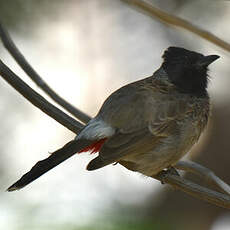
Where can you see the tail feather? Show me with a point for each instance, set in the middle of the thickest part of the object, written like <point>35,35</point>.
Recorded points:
<point>43,166</point>
<point>96,163</point>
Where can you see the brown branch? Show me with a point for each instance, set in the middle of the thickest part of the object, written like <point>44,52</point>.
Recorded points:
<point>38,101</point>
<point>193,167</point>
<point>194,190</point>
<point>23,63</point>
<point>170,19</point>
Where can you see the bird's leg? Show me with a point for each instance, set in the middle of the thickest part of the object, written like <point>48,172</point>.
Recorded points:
<point>170,170</point>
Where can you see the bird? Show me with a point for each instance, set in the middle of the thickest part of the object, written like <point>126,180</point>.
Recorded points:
<point>147,125</point>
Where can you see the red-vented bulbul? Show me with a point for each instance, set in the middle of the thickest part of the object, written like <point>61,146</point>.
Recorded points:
<point>147,125</point>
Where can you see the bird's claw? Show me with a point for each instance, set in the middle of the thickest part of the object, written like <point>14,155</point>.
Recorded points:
<point>171,170</point>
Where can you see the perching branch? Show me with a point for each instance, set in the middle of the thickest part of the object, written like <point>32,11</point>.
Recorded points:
<point>207,174</point>
<point>176,181</point>
<point>37,100</point>
<point>173,20</point>
<point>28,69</point>
<point>195,190</point>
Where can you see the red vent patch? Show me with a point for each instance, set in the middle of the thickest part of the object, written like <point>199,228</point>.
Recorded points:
<point>95,147</point>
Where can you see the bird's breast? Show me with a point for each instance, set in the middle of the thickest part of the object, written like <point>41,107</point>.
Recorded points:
<point>184,133</point>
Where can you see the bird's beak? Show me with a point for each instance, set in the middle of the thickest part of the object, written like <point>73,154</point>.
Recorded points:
<point>207,60</point>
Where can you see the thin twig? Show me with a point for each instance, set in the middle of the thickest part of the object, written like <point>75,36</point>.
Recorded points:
<point>170,19</point>
<point>193,167</point>
<point>195,190</point>
<point>38,101</point>
<point>23,63</point>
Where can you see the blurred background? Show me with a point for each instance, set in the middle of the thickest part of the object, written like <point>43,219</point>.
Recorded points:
<point>86,49</point>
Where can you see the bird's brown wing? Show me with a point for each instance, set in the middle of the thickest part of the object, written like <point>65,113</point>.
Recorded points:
<point>122,145</point>
<point>142,117</point>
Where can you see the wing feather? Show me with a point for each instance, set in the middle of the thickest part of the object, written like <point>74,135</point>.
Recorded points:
<point>122,146</point>
<point>142,119</point>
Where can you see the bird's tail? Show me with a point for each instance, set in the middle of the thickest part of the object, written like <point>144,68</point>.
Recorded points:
<point>50,162</point>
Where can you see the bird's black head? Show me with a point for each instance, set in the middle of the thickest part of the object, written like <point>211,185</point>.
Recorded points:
<point>187,70</point>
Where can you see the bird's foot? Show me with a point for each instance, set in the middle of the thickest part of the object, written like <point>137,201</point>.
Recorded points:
<point>170,170</point>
